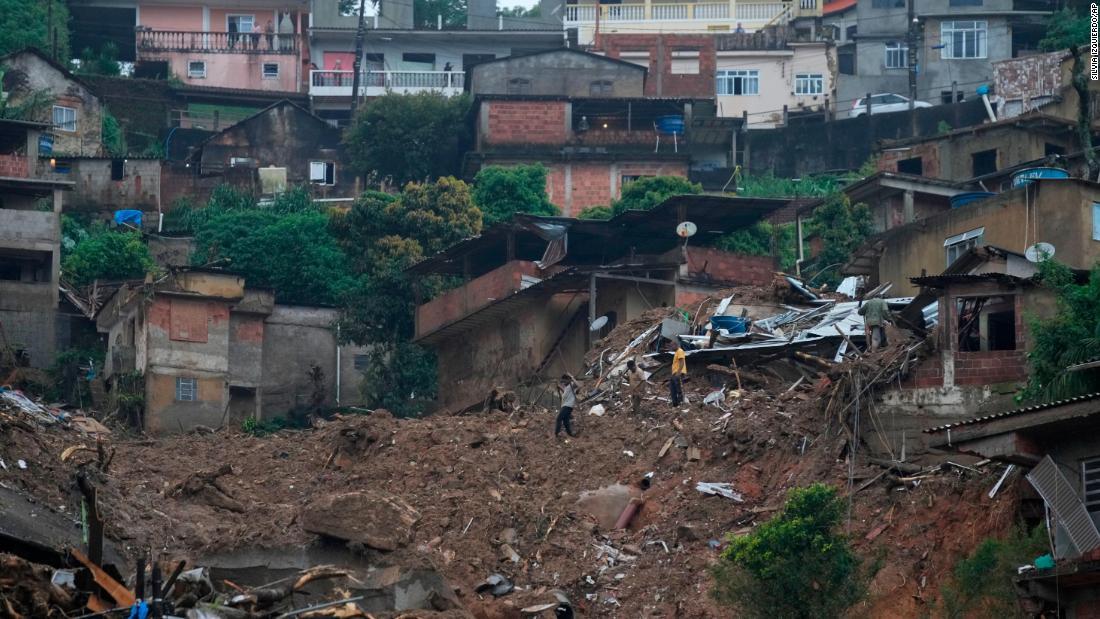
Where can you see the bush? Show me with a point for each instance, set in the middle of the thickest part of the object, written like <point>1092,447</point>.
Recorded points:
<point>502,191</point>
<point>646,193</point>
<point>595,212</point>
<point>982,583</point>
<point>1070,337</point>
<point>794,565</point>
<point>108,255</point>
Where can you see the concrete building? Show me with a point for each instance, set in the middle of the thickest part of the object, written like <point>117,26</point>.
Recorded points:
<point>407,53</point>
<point>533,286</point>
<point>980,150</point>
<point>764,77</point>
<point>283,145</point>
<point>106,184</point>
<point>958,42</point>
<point>559,72</point>
<point>71,108</point>
<point>1065,213</point>
<point>686,17</point>
<point>212,351</point>
<point>30,245</point>
<point>592,146</point>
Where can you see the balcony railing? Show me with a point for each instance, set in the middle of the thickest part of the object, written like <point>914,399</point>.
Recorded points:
<point>374,83</point>
<point>751,13</point>
<point>232,42</point>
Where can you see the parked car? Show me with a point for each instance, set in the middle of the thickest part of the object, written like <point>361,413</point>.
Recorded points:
<point>883,103</point>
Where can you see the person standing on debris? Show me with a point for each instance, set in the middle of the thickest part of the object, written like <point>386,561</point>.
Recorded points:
<point>875,314</point>
<point>679,370</point>
<point>636,380</point>
<point>568,389</point>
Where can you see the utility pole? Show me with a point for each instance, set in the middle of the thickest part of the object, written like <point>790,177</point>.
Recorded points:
<point>911,56</point>
<point>357,66</point>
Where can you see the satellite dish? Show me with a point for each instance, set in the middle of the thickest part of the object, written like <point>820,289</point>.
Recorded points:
<point>1039,252</point>
<point>598,323</point>
<point>686,229</point>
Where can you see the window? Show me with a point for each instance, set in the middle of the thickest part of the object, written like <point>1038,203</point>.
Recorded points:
<point>640,58</point>
<point>957,245</point>
<point>518,86</point>
<point>739,82</point>
<point>1096,221</point>
<point>630,178</point>
<point>271,71</point>
<point>600,88</point>
<point>64,118</point>
<point>1050,150</point>
<point>240,23</point>
<point>983,162</point>
<point>118,169</point>
<point>685,63</point>
<point>888,4</point>
<point>846,60</point>
<point>965,3</point>
<point>963,39</point>
<point>362,362</point>
<point>986,323</point>
<point>322,172</point>
<point>946,99</point>
<point>850,32</point>
<point>1090,484</point>
<point>809,84</point>
<point>897,56</point>
<point>913,165</point>
<point>418,58</point>
<point>185,389</point>
<point>196,69</point>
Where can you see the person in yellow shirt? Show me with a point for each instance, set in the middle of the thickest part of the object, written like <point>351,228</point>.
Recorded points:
<point>679,370</point>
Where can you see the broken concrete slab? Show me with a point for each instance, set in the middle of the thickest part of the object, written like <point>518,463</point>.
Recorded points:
<point>606,504</point>
<point>380,521</point>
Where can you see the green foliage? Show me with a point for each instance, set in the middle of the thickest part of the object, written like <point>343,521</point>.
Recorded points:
<point>769,186</point>
<point>502,191</point>
<point>595,212</point>
<point>795,565</point>
<point>102,62</point>
<point>943,127</point>
<point>869,168</point>
<point>757,241</point>
<point>33,105</point>
<point>1069,337</point>
<point>1066,28</point>
<point>114,140</point>
<point>409,137</point>
<point>25,23</point>
<point>843,227</point>
<point>69,370</point>
<point>106,255</point>
<point>255,427</point>
<point>981,584</point>
<point>519,11</point>
<point>426,12</point>
<point>646,193</point>
<point>400,377</point>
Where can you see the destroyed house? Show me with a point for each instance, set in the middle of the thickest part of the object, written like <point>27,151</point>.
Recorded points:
<point>280,146</point>
<point>1062,212</point>
<point>30,247</point>
<point>1057,444</point>
<point>533,287</point>
<point>211,351</point>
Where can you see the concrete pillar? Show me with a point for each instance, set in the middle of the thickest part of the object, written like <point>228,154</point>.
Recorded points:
<point>907,207</point>
<point>648,9</point>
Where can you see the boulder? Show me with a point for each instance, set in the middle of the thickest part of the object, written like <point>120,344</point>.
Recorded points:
<point>380,521</point>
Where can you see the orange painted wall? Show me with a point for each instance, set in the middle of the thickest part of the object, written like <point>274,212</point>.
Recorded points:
<point>182,18</point>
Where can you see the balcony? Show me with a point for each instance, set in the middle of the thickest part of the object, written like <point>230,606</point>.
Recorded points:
<point>377,83</point>
<point>215,42</point>
<point>687,16</point>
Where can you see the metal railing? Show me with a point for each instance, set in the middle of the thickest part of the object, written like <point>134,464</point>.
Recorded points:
<point>333,82</point>
<point>234,42</point>
<point>686,11</point>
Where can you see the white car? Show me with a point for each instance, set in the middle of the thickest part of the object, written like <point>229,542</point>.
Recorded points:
<point>883,103</point>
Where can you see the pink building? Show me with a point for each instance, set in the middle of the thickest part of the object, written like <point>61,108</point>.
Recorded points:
<point>245,44</point>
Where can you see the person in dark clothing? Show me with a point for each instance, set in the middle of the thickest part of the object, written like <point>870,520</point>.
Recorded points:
<point>568,401</point>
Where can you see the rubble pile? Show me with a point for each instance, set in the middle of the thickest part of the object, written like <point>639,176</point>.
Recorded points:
<point>488,515</point>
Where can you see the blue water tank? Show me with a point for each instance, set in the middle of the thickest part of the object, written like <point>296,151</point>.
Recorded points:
<point>671,124</point>
<point>963,199</point>
<point>732,324</point>
<point>1026,176</point>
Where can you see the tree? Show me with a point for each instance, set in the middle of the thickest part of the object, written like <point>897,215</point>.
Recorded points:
<point>757,240</point>
<point>106,255</point>
<point>114,140</point>
<point>409,137</point>
<point>595,212</point>
<point>25,23</point>
<point>103,62</point>
<point>1070,337</point>
<point>519,11</point>
<point>426,14</point>
<point>843,227</point>
<point>795,565</point>
<point>646,193</point>
<point>500,192</point>
<point>1065,29</point>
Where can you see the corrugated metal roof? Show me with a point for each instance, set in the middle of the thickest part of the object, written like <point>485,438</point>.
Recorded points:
<point>1012,413</point>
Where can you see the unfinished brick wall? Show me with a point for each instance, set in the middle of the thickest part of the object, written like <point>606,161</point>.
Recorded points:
<point>661,81</point>
<point>525,122</point>
<point>13,166</point>
<point>928,152</point>
<point>1030,76</point>
<point>726,267</point>
<point>473,296</point>
<point>926,375</point>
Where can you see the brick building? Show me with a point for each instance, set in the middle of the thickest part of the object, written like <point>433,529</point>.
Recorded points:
<point>533,285</point>
<point>592,146</point>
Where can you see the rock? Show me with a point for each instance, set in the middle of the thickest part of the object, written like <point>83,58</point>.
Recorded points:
<point>380,521</point>
<point>508,536</point>
<point>686,533</point>
<point>606,504</point>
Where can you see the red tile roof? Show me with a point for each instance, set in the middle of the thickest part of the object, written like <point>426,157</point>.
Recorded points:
<point>836,6</point>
